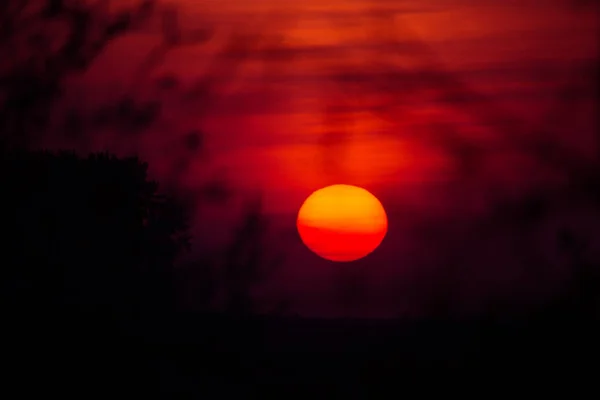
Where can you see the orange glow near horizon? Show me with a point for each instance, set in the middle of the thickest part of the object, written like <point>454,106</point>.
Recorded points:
<point>342,222</point>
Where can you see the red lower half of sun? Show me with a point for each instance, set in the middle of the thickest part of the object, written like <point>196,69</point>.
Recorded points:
<point>338,245</point>
<point>342,223</point>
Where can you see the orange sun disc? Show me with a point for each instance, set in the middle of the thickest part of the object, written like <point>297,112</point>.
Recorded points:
<point>342,222</point>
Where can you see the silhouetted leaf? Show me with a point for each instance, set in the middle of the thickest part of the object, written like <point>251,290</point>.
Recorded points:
<point>120,25</point>
<point>53,8</point>
<point>167,82</point>
<point>215,192</point>
<point>193,140</point>
<point>146,115</point>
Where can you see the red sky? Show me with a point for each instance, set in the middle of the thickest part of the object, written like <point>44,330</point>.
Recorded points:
<point>335,92</point>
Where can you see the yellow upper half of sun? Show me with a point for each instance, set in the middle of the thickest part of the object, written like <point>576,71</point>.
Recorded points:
<point>343,208</point>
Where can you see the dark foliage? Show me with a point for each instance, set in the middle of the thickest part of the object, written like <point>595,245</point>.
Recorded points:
<point>87,234</point>
<point>48,41</point>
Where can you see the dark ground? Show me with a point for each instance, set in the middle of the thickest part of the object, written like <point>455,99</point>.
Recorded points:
<point>195,355</point>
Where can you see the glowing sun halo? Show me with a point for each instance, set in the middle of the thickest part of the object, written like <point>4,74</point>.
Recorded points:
<point>342,222</point>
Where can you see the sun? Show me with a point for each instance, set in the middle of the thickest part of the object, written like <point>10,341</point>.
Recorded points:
<point>342,222</point>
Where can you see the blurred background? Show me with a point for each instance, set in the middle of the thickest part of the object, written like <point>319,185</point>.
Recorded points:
<point>475,123</point>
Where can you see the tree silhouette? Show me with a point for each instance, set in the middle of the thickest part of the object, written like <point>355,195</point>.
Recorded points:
<point>88,234</point>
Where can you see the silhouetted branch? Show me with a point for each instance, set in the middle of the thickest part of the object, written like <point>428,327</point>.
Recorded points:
<point>32,78</point>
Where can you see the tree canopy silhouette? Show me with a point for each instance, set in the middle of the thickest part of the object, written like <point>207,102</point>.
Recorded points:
<point>87,234</point>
